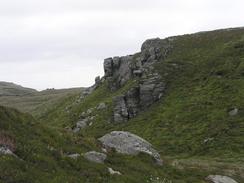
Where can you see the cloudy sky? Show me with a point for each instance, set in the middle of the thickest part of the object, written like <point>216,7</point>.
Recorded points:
<point>62,43</point>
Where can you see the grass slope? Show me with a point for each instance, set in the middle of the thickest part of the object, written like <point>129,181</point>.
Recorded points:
<point>37,103</point>
<point>205,80</point>
<point>11,89</point>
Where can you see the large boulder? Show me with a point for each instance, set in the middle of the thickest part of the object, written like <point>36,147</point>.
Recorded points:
<point>128,143</point>
<point>220,179</point>
<point>96,157</point>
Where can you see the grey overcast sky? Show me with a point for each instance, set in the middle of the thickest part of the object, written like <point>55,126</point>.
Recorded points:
<point>62,43</point>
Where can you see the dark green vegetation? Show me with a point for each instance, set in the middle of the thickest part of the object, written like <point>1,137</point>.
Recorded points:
<point>191,126</point>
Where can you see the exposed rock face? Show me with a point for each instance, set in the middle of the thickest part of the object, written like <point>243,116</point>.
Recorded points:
<point>119,70</point>
<point>120,109</point>
<point>220,179</point>
<point>96,157</point>
<point>150,90</point>
<point>128,143</point>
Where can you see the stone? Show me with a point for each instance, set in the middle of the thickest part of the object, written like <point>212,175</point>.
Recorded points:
<point>101,106</point>
<point>116,62</point>
<point>120,109</point>
<point>137,73</point>
<point>151,90</point>
<point>97,80</point>
<point>113,172</point>
<point>108,67</point>
<point>132,102</point>
<point>80,125</point>
<point>220,179</point>
<point>233,112</point>
<point>73,156</point>
<point>128,143</point>
<point>96,157</point>
<point>6,151</point>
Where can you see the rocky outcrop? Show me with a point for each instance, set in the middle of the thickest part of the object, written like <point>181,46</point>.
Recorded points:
<point>128,143</point>
<point>150,87</point>
<point>96,157</point>
<point>220,179</point>
<point>138,98</point>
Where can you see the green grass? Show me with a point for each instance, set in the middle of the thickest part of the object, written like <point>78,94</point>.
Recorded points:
<point>204,74</point>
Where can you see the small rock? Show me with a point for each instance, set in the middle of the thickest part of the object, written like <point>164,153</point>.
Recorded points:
<point>233,112</point>
<point>80,125</point>
<point>89,111</point>
<point>113,172</point>
<point>220,179</point>
<point>101,106</point>
<point>6,151</point>
<point>208,140</point>
<point>73,156</point>
<point>95,156</point>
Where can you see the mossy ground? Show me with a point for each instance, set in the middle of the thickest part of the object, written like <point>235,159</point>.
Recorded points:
<point>205,80</point>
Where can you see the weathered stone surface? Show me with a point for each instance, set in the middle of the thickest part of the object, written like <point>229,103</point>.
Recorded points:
<point>128,143</point>
<point>233,111</point>
<point>151,90</point>
<point>113,172</point>
<point>101,106</point>
<point>120,109</point>
<point>80,125</point>
<point>108,67</point>
<point>220,179</point>
<point>6,151</point>
<point>95,156</point>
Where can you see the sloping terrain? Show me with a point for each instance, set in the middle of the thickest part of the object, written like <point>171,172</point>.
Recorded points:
<point>183,94</point>
<point>34,102</point>
<point>11,89</point>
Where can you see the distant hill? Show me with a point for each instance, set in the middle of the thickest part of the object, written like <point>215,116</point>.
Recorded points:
<point>30,100</point>
<point>11,89</point>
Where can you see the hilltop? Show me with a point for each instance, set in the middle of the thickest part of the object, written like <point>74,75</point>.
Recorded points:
<point>11,89</point>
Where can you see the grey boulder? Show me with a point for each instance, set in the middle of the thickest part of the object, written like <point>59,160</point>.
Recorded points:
<point>128,143</point>
<point>96,157</point>
<point>220,179</point>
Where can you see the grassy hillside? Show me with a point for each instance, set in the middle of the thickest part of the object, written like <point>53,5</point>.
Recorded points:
<point>36,102</point>
<point>191,126</point>
<point>11,89</point>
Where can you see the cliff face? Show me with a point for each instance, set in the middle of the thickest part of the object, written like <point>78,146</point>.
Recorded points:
<point>149,86</point>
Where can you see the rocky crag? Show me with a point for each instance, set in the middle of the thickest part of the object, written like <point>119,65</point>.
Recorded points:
<point>149,86</point>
